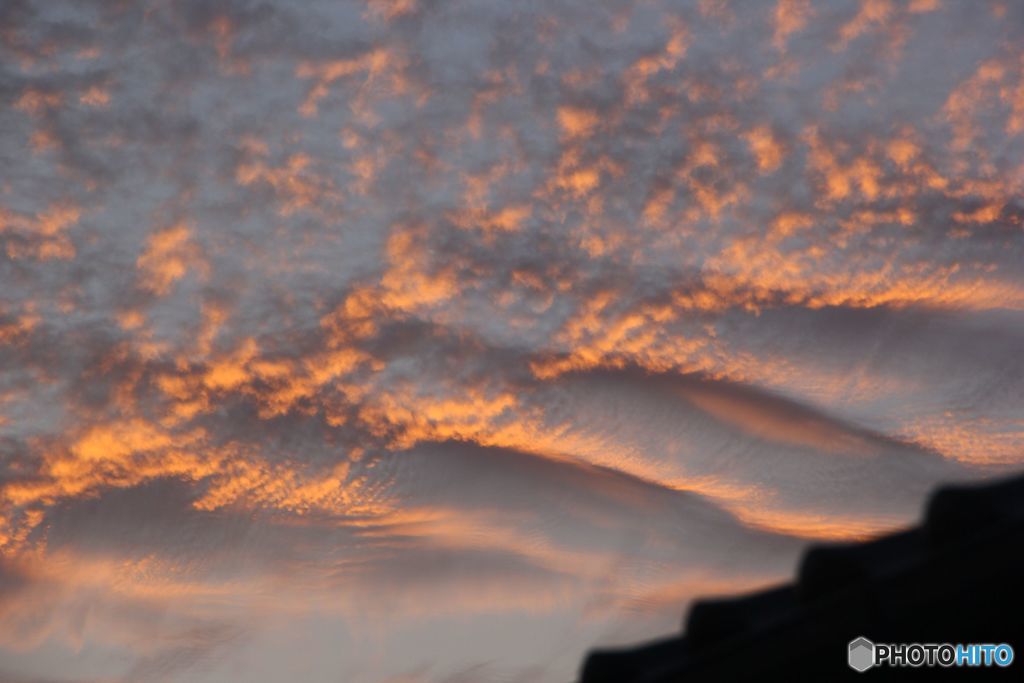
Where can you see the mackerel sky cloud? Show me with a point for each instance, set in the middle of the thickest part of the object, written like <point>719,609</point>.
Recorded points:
<point>406,341</point>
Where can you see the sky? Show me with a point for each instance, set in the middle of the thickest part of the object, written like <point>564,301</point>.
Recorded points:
<point>408,341</point>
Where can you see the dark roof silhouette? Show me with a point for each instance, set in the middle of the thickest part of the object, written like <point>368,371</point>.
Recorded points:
<point>956,578</point>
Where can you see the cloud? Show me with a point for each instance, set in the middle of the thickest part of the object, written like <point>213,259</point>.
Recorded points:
<point>533,317</point>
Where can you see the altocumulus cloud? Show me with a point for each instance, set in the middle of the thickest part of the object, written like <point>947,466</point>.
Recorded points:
<point>414,341</point>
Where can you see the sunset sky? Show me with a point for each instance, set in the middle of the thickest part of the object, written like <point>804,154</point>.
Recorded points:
<point>410,341</point>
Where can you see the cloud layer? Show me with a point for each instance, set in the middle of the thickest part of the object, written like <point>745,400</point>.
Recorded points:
<point>414,341</point>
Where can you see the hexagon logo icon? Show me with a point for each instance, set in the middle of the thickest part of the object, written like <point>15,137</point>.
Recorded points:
<point>861,654</point>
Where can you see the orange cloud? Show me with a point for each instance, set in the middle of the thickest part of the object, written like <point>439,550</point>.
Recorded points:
<point>42,236</point>
<point>410,281</point>
<point>294,183</point>
<point>170,254</point>
<point>637,75</point>
<point>379,65</point>
<point>872,13</point>
<point>391,9</point>
<point>95,96</point>
<point>33,101</point>
<point>766,148</point>
<point>576,122</point>
<point>790,16</point>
